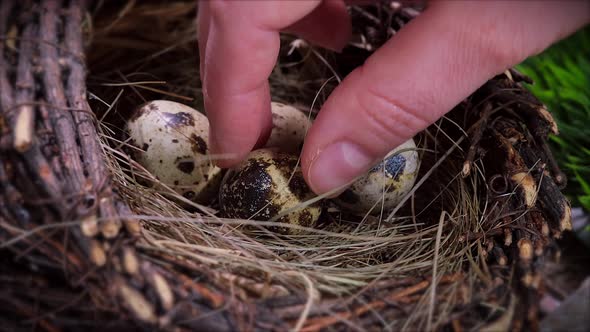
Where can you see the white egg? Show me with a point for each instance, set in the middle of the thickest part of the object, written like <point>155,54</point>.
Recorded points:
<point>289,128</point>
<point>385,185</point>
<point>172,145</point>
<point>267,183</point>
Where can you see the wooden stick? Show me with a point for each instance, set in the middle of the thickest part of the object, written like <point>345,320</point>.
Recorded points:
<point>76,94</point>
<point>479,127</point>
<point>6,92</point>
<point>25,116</point>
<point>62,121</point>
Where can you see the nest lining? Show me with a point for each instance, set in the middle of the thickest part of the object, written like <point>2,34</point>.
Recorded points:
<point>328,253</point>
<point>334,274</point>
<point>341,260</point>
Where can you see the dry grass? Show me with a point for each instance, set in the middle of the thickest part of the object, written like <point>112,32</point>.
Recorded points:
<point>148,51</point>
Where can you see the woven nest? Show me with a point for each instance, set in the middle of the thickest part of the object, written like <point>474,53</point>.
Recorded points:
<point>84,245</point>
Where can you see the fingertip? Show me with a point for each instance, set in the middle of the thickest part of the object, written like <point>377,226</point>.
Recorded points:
<point>227,158</point>
<point>306,158</point>
<point>219,158</point>
<point>236,129</point>
<point>265,130</point>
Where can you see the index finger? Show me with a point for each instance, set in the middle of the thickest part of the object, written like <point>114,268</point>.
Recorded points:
<point>239,45</point>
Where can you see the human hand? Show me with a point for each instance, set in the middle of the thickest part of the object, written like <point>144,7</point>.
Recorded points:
<point>428,67</point>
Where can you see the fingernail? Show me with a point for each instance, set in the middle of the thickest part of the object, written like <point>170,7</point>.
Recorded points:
<point>337,165</point>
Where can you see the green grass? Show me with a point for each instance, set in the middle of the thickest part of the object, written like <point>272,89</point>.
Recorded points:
<point>561,77</point>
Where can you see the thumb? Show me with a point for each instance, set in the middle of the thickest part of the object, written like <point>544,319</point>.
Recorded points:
<point>433,63</point>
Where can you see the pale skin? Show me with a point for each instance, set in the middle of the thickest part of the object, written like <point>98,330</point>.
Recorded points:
<point>419,75</point>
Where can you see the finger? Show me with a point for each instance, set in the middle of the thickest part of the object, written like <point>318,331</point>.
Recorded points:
<point>432,64</point>
<point>202,31</point>
<point>328,25</point>
<point>239,53</point>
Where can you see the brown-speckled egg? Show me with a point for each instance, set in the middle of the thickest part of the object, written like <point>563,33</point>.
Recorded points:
<point>289,126</point>
<point>172,140</point>
<point>267,183</point>
<point>385,184</point>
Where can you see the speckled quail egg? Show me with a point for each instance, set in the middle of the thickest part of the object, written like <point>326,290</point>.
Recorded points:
<point>385,184</point>
<point>267,183</point>
<point>171,140</point>
<point>289,126</point>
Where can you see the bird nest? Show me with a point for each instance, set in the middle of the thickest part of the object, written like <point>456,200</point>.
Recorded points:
<point>85,244</point>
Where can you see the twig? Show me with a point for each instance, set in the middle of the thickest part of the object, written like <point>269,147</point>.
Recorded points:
<point>520,77</point>
<point>54,93</point>
<point>76,94</point>
<point>25,118</point>
<point>6,93</point>
<point>478,128</point>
